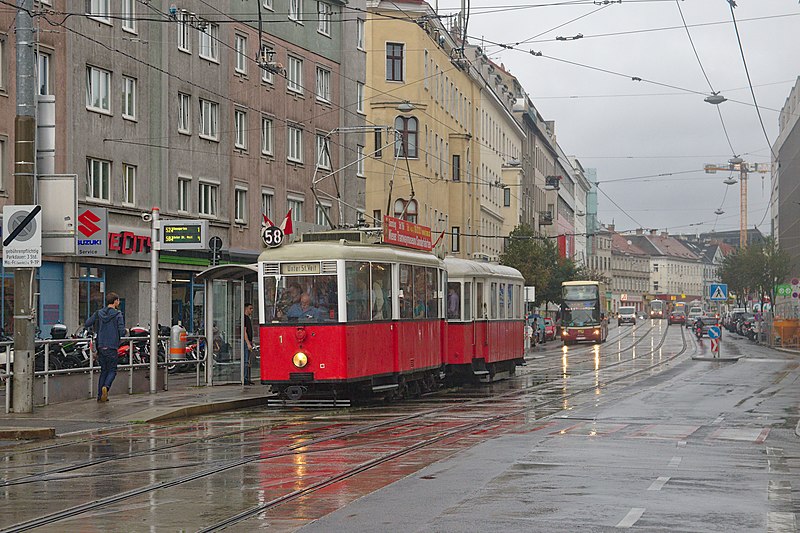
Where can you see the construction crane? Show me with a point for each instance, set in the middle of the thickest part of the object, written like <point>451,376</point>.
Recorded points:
<point>734,164</point>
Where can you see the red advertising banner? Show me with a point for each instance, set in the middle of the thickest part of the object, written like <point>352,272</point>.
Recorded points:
<point>407,234</point>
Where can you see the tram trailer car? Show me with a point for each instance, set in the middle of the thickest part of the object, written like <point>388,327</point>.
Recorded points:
<point>485,331</point>
<point>345,319</point>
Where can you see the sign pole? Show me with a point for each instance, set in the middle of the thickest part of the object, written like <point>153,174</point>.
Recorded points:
<point>24,193</point>
<point>155,246</point>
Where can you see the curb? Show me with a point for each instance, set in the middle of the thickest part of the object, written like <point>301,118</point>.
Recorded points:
<point>716,359</point>
<point>797,429</point>
<point>159,414</point>
<point>27,433</point>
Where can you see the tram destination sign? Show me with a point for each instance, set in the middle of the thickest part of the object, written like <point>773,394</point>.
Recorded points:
<point>407,234</point>
<point>184,234</point>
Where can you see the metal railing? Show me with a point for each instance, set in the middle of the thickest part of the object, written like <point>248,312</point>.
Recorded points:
<point>7,373</point>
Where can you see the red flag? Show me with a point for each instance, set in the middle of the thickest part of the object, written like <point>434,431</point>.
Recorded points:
<point>286,226</point>
<point>439,239</point>
<point>268,222</point>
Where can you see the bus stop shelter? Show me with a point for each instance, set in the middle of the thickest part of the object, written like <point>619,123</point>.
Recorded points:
<point>227,289</point>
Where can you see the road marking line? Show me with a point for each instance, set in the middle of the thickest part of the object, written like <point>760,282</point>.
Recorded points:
<point>681,443</point>
<point>674,462</point>
<point>632,517</point>
<point>659,483</point>
<point>780,522</point>
<point>762,436</point>
<point>718,421</point>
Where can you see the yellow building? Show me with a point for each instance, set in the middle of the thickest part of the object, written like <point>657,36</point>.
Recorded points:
<point>423,101</point>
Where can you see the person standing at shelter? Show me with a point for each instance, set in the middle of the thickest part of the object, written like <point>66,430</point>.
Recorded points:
<point>248,340</point>
<point>109,325</point>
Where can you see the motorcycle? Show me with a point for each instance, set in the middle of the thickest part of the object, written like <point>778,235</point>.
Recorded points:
<point>698,331</point>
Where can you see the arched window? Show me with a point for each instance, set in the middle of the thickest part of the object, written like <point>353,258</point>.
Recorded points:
<point>407,210</point>
<point>408,128</point>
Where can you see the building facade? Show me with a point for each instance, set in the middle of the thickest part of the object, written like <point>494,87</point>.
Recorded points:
<point>785,203</point>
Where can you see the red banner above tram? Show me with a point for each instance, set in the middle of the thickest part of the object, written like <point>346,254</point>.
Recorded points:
<point>407,234</point>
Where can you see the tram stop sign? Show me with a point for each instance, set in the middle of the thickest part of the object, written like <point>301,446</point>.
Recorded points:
<point>714,332</point>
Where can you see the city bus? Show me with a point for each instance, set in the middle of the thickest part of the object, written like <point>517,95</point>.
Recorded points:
<point>583,312</point>
<point>657,309</point>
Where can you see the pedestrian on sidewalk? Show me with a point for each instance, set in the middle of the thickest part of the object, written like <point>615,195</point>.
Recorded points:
<point>109,325</point>
<point>248,340</point>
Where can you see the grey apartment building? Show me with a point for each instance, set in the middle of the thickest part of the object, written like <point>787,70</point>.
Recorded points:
<point>187,106</point>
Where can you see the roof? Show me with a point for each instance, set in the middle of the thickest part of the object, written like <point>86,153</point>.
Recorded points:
<point>623,245</point>
<point>664,246</point>
<point>457,268</point>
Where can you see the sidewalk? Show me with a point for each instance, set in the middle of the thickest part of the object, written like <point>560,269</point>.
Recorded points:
<point>181,401</point>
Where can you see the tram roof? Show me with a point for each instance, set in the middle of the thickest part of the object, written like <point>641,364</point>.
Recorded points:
<point>330,250</point>
<point>464,267</point>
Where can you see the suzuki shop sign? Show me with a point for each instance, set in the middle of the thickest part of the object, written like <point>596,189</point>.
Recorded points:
<point>92,234</point>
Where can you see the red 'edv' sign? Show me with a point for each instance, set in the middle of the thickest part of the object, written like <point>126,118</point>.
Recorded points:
<point>404,233</point>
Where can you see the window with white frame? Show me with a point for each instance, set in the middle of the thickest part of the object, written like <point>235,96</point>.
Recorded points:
<point>267,54</point>
<point>323,214</point>
<point>240,45</point>
<point>268,203</point>
<point>323,84</point>
<point>323,152</point>
<point>324,12</point>
<point>208,198</point>
<point>360,161</point>
<point>128,184</point>
<point>294,75</point>
<point>2,65</point>
<point>209,118</point>
<point>98,89</point>
<point>267,4</point>
<point>184,113</point>
<point>295,205</point>
<point>394,61</point>
<point>42,72</point>
<point>184,32</point>
<point>360,30</point>
<point>184,193</point>
<point>240,128</point>
<point>359,97</point>
<point>3,144</point>
<point>98,175</point>
<point>295,10</point>
<point>294,147</point>
<point>129,15</point>
<point>209,41</point>
<point>99,9</point>
<point>266,136</point>
<point>240,204</point>
<point>129,98</point>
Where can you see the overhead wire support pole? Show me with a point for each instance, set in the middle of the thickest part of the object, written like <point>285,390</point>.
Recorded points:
<point>24,194</point>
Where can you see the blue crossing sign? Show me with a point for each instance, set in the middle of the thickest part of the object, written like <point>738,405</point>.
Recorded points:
<point>718,292</point>
<point>714,332</point>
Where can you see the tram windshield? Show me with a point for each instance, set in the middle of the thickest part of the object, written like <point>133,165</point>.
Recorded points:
<point>301,299</point>
<point>581,305</point>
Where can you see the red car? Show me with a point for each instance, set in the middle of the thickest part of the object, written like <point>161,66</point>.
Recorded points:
<point>549,329</point>
<point>677,317</point>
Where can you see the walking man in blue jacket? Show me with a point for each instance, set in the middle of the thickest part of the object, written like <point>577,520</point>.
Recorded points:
<point>109,325</point>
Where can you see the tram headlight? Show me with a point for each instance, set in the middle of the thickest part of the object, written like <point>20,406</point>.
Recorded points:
<point>564,333</point>
<point>597,331</point>
<point>300,360</point>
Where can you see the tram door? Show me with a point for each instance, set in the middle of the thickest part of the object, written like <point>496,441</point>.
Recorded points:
<point>228,316</point>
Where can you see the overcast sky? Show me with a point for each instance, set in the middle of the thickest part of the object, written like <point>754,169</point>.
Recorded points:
<point>626,128</point>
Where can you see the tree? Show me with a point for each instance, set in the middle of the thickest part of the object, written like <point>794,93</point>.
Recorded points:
<point>532,256</point>
<point>758,269</point>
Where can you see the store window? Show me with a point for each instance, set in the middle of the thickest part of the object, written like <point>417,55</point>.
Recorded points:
<point>91,291</point>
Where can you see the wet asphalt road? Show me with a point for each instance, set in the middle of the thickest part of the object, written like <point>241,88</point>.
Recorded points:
<point>631,434</point>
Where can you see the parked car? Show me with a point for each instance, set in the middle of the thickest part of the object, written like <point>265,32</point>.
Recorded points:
<point>677,317</point>
<point>627,315</point>
<point>733,317</point>
<point>549,329</point>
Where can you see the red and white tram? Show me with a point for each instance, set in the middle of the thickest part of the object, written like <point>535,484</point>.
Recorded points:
<point>485,330</point>
<point>343,318</point>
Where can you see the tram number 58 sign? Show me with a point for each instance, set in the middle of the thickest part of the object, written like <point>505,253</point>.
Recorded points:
<point>272,236</point>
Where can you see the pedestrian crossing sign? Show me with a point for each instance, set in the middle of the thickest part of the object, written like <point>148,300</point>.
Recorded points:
<point>718,292</point>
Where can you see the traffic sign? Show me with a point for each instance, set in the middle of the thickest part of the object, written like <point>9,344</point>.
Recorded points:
<point>22,242</point>
<point>715,346</point>
<point>272,236</point>
<point>718,292</point>
<point>714,332</point>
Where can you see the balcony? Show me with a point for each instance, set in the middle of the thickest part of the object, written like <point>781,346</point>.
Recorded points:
<point>545,218</point>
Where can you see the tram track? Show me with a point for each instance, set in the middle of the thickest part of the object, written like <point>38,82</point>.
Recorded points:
<point>307,446</point>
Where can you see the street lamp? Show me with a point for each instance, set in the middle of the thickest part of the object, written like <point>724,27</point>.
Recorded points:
<point>730,181</point>
<point>405,107</point>
<point>715,99</point>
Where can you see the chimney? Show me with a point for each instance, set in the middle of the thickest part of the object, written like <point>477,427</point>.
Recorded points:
<point>665,234</point>
<point>639,231</point>
<point>653,231</point>
<point>610,228</point>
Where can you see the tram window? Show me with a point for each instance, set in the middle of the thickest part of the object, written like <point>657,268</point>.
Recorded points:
<point>468,301</point>
<point>432,293</point>
<point>420,299</point>
<point>381,291</point>
<point>510,301</point>
<point>406,292</point>
<point>502,299</point>
<point>454,300</point>
<point>303,299</point>
<point>358,300</point>
<point>480,304</point>
<point>518,299</point>
<point>493,301</point>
